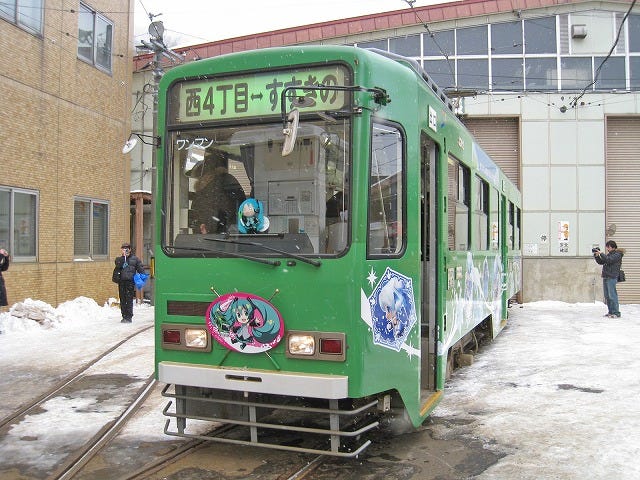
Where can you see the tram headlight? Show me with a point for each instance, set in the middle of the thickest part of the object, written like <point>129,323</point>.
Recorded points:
<point>179,336</point>
<point>329,346</point>
<point>302,344</point>
<point>195,338</point>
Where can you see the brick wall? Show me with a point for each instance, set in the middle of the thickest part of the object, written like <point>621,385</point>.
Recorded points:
<point>63,126</point>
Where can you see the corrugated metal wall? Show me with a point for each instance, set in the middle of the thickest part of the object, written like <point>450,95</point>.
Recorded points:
<point>623,198</point>
<point>500,138</point>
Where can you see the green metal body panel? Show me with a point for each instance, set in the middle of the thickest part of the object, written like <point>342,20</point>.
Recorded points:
<point>332,297</point>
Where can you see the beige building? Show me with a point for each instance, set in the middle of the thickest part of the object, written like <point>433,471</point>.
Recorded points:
<point>65,85</point>
<point>550,88</point>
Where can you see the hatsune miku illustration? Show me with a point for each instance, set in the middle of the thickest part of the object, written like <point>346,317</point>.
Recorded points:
<point>245,323</point>
<point>393,312</point>
<point>251,217</point>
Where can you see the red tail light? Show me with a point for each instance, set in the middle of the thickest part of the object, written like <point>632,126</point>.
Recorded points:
<point>332,346</point>
<point>171,336</point>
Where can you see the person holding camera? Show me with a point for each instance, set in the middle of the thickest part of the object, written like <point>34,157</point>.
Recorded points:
<point>4,266</point>
<point>611,263</point>
<point>127,265</point>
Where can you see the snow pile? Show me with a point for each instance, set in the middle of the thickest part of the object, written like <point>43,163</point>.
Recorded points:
<point>36,314</point>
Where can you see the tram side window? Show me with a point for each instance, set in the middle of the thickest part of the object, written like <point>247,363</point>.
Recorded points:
<point>516,230</point>
<point>481,215</point>
<point>511,227</point>
<point>458,206</point>
<point>494,218</point>
<point>386,192</point>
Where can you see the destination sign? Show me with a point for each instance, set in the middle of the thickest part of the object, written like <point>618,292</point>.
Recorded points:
<point>259,94</point>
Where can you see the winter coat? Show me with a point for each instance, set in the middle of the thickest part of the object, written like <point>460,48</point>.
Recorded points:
<point>122,273</point>
<point>216,201</point>
<point>4,266</point>
<point>611,263</point>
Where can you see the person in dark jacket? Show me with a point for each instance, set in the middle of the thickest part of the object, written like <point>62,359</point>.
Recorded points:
<point>4,266</point>
<point>127,265</point>
<point>611,263</point>
<point>216,198</point>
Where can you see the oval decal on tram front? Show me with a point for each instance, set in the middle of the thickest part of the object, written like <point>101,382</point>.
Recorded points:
<point>245,322</point>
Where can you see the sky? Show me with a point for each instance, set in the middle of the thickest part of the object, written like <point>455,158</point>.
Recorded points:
<point>555,394</point>
<point>190,22</point>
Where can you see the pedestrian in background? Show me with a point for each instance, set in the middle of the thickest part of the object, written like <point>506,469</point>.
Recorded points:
<point>4,266</point>
<point>127,265</point>
<point>611,263</point>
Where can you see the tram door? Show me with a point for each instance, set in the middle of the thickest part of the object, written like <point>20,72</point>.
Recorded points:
<point>428,151</point>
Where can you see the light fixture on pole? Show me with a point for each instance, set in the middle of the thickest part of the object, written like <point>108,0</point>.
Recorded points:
<point>133,141</point>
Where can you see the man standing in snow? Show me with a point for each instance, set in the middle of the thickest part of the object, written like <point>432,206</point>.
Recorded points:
<point>611,263</point>
<point>127,265</point>
<point>4,266</point>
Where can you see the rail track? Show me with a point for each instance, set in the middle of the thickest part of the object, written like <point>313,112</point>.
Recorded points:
<point>59,386</point>
<point>54,434</point>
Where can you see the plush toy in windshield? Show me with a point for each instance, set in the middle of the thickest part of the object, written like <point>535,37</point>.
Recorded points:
<point>251,218</point>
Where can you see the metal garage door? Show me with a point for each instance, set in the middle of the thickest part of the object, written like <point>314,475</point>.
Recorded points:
<point>622,216</point>
<point>500,138</point>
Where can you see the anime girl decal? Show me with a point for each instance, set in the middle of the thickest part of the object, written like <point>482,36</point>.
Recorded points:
<point>251,218</point>
<point>393,312</point>
<point>245,323</point>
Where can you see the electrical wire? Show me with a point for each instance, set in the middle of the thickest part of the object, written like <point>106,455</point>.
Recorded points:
<point>574,103</point>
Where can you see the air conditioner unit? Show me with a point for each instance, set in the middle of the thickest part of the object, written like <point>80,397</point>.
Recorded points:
<point>578,31</point>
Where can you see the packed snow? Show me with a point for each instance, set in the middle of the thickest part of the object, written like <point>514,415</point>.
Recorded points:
<point>555,394</point>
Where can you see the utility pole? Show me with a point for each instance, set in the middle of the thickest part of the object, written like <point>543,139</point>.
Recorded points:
<point>157,46</point>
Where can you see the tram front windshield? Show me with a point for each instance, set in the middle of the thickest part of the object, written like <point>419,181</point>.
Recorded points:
<point>230,189</point>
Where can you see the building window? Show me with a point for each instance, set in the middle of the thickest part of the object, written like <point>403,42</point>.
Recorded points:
<point>540,35</point>
<point>441,72</point>
<point>471,41</point>
<point>506,74</point>
<point>386,192</point>
<point>18,223</point>
<point>473,73</point>
<point>379,44</point>
<point>95,38</point>
<point>408,46</point>
<point>541,73</point>
<point>440,44</point>
<point>576,72</point>
<point>27,14</point>
<point>633,24</point>
<point>634,66</point>
<point>90,228</point>
<point>506,38</point>
<point>611,74</point>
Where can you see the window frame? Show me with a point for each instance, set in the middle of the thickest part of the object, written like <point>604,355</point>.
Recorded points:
<point>18,12</point>
<point>401,219</point>
<point>93,59</point>
<point>459,180</point>
<point>12,228</point>
<point>90,254</point>
<point>480,240</point>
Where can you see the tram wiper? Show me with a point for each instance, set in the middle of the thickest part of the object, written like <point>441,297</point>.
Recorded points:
<point>274,263</point>
<point>311,261</point>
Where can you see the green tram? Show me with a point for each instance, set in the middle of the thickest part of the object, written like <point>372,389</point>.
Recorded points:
<point>331,240</point>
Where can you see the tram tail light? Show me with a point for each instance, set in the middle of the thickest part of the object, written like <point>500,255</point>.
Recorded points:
<point>316,346</point>
<point>171,336</point>
<point>331,346</point>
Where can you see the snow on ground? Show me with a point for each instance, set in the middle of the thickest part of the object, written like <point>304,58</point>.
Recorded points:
<point>556,393</point>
